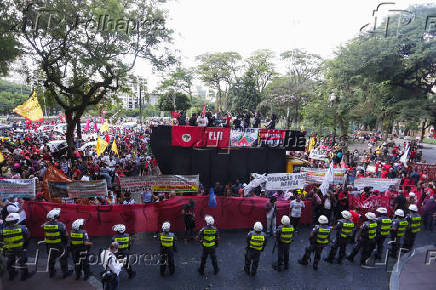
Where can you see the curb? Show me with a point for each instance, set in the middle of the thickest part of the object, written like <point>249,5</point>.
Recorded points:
<point>394,282</point>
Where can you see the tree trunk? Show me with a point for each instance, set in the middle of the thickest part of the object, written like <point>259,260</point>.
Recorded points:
<point>342,125</point>
<point>79,130</point>
<point>423,127</point>
<point>218,100</point>
<point>71,125</point>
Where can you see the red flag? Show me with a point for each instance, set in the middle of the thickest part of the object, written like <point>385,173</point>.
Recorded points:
<point>217,137</point>
<point>204,110</point>
<point>176,115</point>
<point>187,136</point>
<point>95,126</point>
<point>107,137</point>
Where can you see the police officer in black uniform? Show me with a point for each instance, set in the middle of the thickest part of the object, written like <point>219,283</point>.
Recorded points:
<point>399,227</point>
<point>256,243</point>
<point>15,239</point>
<point>167,249</point>
<point>124,243</point>
<point>55,234</point>
<point>80,245</point>
<point>384,225</point>
<point>344,233</point>
<point>319,238</point>
<point>365,240</point>
<point>414,220</point>
<point>284,235</point>
<point>209,238</point>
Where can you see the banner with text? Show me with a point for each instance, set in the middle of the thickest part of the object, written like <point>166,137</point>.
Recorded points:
<point>316,175</point>
<point>162,183</point>
<point>17,188</point>
<point>380,184</point>
<point>244,137</point>
<point>217,137</point>
<point>285,181</point>
<point>272,137</point>
<point>77,189</point>
<point>427,169</point>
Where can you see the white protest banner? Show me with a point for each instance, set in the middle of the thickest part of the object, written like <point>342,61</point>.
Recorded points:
<point>77,189</point>
<point>318,154</point>
<point>161,183</point>
<point>285,181</point>
<point>17,188</point>
<point>244,137</point>
<point>380,184</point>
<point>316,175</point>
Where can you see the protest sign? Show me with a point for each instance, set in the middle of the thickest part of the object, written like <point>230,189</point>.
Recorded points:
<point>77,189</point>
<point>316,175</point>
<point>162,183</point>
<point>217,137</point>
<point>380,184</point>
<point>244,137</point>
<point>285,181</point>
<point>318,154</point>
<point>272,137</point>
<point>17,188</point>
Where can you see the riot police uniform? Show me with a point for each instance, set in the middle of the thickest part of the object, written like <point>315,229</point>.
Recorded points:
<point>56,241</point>
<point>15,239</point>
<point>344,233</point>
<point>256,242</point>
<point>284,236</point>
<point>319,239</point>
<point>167,249</point>
<point>384,225</point>
<point>365,241</point>
<point>80,252</point>
<point>414,220</point>
<point>209,237</point>
<point>399,227</point>
<point>124,244</point>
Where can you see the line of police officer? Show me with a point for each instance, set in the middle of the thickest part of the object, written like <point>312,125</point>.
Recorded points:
<point>371,236</point>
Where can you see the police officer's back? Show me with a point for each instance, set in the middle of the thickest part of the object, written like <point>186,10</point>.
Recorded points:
<point>284,235</point>
<point>256,243</point>
<point>209,239</point>
<point>80,245</point>
<point>167,248</point>
<point>124,243</point>
<point>414,226</point>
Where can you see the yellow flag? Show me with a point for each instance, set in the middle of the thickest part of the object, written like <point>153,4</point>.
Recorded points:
<point>311,144</point>
<point>105,127</point>
<point>31,110</point>
<point>101,146</point>
<point>2,158</point>
<point>115,147</point>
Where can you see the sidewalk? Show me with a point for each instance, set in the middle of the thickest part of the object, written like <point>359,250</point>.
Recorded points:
<point>413,271</point>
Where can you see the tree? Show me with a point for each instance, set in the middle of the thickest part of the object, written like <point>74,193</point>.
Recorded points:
<point>173,101</point>
<point>9,46</point>
<point>180,80</point>
<point>219,71</point>
<point>86,49</point>
<point>244,92</point>
<point>261,67</point>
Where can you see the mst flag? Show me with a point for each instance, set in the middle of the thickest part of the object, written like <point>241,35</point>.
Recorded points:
<point>31,110</point>
<point>115,147</point>
<point>187,136</point>
<point>101,146</point>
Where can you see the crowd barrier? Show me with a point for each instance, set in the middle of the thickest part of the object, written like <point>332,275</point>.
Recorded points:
<point>230,213</point>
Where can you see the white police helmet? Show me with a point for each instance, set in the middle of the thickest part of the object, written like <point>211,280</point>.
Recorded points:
<point>370,216</point>
<point>346,214</point>
<point>258,226</point>
<point>120,228</point>
<point>77,224</point>
<point>399,212</point>
<point>54,213</point>
<point>12,208</point>
<point>382,210</point>
<point>413,207</point>
<point>13,217</point>
<point>209,220</point>
<point>323,220</point>
<point>166,226</point>
<point>285,220</point>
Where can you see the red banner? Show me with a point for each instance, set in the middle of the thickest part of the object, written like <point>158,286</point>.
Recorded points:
<point>231,213</point>
<point>187,136</point>
<point>217,137</point>
<point>370,204</point>
<point>427,169</point>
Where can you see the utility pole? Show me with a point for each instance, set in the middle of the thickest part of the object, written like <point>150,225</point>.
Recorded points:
<point>140,103</point>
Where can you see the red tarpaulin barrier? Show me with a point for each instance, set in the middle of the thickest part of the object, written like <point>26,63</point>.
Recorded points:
<point>231,213</point>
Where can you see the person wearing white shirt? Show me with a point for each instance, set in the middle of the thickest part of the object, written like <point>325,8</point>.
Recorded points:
<point>202,121</point>
<point>296,207</point>
<point>111,263</point>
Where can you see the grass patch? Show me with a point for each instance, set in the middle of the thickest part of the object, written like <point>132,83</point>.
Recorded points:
<point>429,141</point>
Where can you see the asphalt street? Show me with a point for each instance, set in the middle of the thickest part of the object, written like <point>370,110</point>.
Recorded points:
<point>231,276</point>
